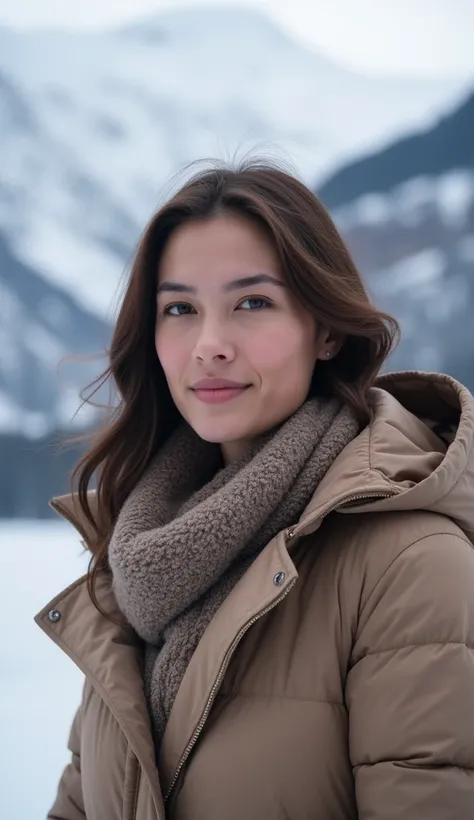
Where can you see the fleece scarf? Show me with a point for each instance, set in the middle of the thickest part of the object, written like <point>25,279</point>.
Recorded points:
<point>191,528</point>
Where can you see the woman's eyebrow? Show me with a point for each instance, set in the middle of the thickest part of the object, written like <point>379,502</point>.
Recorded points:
<point>235,284</point>
<point>250,281</point>
<point>175,287</point>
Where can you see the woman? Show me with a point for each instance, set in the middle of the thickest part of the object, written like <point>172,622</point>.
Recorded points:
<point>279,617</point>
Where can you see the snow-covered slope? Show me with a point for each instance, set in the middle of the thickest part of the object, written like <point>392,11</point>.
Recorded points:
<point>407,214</point>
<point>93,125</point>
<point>40,687</point>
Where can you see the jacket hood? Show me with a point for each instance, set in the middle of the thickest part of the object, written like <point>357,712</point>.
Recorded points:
<point>417,453</point>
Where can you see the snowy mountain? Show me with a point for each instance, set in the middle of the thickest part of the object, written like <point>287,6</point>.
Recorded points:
<point>40,325</point>
<point>92,125</point>
<point>407,213</point>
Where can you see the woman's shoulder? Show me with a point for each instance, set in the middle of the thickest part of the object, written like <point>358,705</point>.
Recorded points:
<point>393,531</point>
<point>413,583</point>
<point>367,547</point>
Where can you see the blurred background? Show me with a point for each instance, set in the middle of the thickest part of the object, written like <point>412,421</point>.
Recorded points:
<point>102,104</point>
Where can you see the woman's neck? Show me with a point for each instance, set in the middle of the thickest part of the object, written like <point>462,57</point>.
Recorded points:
<point>233,451</point>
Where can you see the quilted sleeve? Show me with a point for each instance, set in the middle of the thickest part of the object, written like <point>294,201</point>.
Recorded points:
<point>410,687</point>
<point>69,804</point>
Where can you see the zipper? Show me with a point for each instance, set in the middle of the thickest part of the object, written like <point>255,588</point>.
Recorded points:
<point>289,534</point>
<point>218,681</point>
<point>343,502</point>
<point>358,497</point>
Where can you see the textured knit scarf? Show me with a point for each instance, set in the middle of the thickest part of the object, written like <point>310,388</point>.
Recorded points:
<point>191,528</point>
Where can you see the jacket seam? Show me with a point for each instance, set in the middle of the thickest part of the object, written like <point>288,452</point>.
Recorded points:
<point>137,789</point>
<point>252,696</point>
<point>403,551</point>
<point>393,486</point>
<point>409,765</point>
<point>453,487</point>
<point>417,646</point>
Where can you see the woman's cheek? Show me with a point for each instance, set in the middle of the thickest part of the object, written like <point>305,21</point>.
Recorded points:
<point>274,349</point>
<point>167,349</point>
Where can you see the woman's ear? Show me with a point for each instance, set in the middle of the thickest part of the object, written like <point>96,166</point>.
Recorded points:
<point>328,345</point>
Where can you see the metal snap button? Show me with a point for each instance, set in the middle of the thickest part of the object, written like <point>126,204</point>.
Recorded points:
<point>279,578</point>
<point>54,616</point>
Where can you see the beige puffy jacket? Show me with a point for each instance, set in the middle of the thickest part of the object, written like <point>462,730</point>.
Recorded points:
<point>347,691</point>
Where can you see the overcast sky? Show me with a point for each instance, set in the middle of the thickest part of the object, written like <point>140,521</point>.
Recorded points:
<point>422,37</point>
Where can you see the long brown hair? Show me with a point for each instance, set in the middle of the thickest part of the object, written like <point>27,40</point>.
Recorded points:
<point>319,270</point>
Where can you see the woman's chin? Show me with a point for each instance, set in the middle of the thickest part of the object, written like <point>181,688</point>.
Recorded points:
<point>213,435</point>
<point>223,432</point>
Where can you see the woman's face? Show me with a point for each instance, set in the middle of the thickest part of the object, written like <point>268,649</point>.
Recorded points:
<point>237,350</point>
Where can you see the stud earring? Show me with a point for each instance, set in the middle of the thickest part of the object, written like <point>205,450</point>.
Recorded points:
<point>328,354</point>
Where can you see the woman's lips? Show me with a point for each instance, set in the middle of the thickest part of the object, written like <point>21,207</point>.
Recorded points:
<point>217,395</point>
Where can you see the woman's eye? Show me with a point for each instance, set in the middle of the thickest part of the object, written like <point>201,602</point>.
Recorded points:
<point>178,309</point>
<point>255,303</point>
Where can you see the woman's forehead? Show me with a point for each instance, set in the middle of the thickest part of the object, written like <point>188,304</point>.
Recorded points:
<point>219,251</point>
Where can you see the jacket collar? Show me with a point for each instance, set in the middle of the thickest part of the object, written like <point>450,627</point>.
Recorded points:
<point>108,652</point>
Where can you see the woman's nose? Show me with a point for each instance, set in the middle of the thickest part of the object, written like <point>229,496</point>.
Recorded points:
<point>213,343</point>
